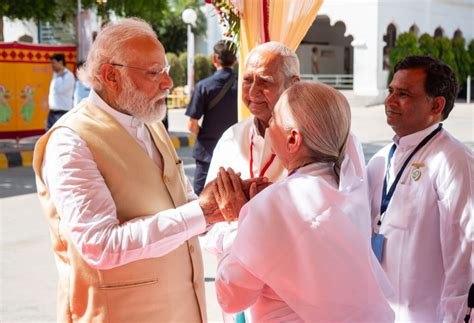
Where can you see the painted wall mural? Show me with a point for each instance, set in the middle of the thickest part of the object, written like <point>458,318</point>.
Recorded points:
<point>25,74</point>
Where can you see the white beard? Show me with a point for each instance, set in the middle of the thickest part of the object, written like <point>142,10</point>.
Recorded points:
<point>138,105</point>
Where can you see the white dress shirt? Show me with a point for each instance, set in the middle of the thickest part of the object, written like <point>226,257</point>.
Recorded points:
<point>61,91</point>
<point>298,257</point>
<point>427,226</point>
<point>85,203</point>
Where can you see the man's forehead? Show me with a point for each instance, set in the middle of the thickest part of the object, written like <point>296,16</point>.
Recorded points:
<point>146,49</point>
<point>408,78</point>
<point>265,63</point>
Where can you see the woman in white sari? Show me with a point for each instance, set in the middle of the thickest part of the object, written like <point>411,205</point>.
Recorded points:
<point>298,254</point>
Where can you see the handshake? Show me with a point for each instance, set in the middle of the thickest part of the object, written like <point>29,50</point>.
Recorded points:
<point>222,199</point>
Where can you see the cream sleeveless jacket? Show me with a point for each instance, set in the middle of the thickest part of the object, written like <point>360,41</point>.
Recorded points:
<point>163,289</point>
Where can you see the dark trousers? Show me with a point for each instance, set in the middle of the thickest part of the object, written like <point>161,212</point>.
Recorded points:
<point>200,175</point>
<point>53,116</point>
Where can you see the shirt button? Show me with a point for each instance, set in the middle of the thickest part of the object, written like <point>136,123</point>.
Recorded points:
<point>165,179</point>
<point>195,284</point>
<point>191,248</point>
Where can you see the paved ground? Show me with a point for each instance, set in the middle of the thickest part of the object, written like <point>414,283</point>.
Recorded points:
<point>27,271</point>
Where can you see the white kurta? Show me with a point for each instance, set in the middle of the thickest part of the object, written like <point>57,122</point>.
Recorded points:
<point>427,226</point>
<point>297,256</point>
<point>233,150</point>
<point>88,210</point>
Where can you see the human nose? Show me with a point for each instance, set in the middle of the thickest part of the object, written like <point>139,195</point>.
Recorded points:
<point>166,82</point>
<point>254,90</point>
<point>390,99</point>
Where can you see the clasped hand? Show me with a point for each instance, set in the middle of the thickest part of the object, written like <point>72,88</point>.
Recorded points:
<point>223,198</point>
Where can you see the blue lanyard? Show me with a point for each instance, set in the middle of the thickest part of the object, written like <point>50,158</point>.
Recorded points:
<point>386,197</point>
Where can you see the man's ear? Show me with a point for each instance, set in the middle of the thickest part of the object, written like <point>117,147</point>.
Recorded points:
<point>295,79</point>
<point>438,105</point>
<point>215,60</point>
<point>294,141</point>
<point>110,77</point>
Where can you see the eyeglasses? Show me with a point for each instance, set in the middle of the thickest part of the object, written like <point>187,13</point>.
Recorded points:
<point>152,74</point>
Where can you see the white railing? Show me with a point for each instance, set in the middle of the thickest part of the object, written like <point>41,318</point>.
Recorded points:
<point>338,81</point>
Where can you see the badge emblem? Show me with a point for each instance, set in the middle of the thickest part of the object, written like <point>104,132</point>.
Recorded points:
<point>416,174</point>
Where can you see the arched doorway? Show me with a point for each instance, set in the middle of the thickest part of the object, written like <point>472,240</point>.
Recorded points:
<point>458,34</point>
<point>390,38</point>
<point>439,32</point>
<point>333,51</point>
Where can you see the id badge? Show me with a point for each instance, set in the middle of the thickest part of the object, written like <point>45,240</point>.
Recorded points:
<point>377,245</point>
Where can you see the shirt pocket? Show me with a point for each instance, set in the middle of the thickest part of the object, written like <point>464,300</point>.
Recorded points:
<point>404,206</point>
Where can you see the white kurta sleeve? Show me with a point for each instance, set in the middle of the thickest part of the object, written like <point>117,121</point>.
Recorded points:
<point>455,191</point>
<point>237,289</point>
<point>88,211</point>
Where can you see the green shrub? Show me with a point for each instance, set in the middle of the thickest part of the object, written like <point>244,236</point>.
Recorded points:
<point>471,54</point>
<point>201,68</point>
<point>176,71</point>
<point>406,45</point>
<point>426,44</point>
<point>183,58</point>
<point>462,59</point>
<point>445,53</point>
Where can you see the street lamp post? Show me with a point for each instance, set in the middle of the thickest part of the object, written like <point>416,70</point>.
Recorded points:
<point>189,17</point>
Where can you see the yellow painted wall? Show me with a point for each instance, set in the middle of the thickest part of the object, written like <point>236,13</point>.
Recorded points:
<point>25,75</point>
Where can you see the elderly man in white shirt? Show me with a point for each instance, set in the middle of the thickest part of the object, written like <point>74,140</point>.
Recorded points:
<point>61,90</point>
<point>422,197</point>
<point>122,215</point>
<point>298,256</point>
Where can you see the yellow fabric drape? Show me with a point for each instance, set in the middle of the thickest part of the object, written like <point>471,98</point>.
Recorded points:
<point>289,21</point>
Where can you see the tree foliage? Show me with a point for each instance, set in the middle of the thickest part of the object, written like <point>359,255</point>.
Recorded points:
<point>444,50</point>
<point>462,59</point>
<point>427,47</point>
<point>172,31</point>
<point>149,10</point>
<point>177,73</point>
<point>471,54</point>
<point>405,45</point>
<point>452,52</point>
<point>163,15</point>
<point>201,67</point>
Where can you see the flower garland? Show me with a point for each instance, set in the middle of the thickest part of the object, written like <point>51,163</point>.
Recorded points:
<point>229,16</point>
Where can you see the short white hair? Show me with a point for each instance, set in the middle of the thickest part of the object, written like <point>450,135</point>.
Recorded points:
<point>290,62</point>
<point>110,46</point>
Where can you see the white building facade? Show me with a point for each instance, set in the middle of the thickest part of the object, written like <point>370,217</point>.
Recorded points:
<point>367,21</point>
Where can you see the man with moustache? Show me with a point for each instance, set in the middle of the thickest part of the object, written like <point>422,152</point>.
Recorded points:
<point>422,197</point>
<point>122,215</point>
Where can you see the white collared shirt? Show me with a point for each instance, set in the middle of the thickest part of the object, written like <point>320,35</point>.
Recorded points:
<point>61,91</point>
<point>87,208</point>
<point>427,226</point>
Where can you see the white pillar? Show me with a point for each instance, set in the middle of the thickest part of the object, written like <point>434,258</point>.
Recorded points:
<point>190,61</point>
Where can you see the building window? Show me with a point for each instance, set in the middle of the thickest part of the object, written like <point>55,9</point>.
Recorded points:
<point>439,32</point>
<point>414,29</point>
<point>457,34</point>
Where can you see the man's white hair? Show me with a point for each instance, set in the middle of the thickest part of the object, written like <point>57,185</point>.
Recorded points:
<point>110,47</point>
<point>290,63</point>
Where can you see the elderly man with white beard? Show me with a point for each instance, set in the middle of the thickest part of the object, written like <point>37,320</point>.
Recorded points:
<point>122,215</point>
